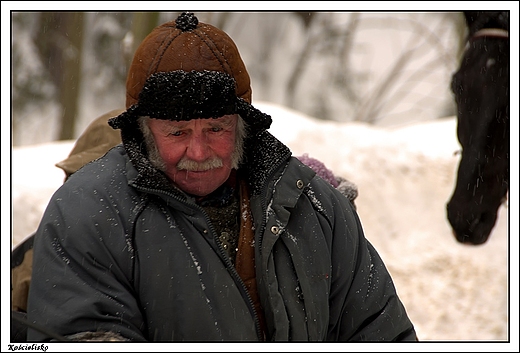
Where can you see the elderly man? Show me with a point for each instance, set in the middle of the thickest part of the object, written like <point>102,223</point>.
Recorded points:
<point>201,226</point>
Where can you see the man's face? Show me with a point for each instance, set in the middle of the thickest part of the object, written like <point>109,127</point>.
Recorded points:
<point>197,154</point>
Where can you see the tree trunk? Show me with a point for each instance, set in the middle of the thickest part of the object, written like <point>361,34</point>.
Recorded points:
<point>70,78</point>
<point>142,24</point>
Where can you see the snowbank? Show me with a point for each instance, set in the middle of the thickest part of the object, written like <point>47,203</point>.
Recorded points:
<point>34,179</point>
<point>405,176</point>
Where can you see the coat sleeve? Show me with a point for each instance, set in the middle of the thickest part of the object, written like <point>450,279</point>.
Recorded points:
<point>82,269</point>
<point>364,305</point>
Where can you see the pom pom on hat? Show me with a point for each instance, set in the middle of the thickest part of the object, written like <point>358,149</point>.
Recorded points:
<point>187,21</point>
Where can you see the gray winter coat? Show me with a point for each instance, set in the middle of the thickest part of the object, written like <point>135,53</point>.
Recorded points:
<point>119,250</point>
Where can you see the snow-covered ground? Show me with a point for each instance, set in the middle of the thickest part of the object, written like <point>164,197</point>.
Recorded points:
<point>405,176</point>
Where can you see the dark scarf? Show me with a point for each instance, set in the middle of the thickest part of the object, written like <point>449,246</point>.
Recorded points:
<point>223,209</point>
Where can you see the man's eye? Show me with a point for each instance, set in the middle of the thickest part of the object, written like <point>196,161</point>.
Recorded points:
<point>216,129</point>
<point>176,133</point>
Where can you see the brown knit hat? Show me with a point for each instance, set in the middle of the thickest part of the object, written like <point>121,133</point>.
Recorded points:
<point>185,70</point>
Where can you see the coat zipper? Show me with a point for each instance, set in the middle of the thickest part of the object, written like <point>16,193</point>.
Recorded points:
<point>223,254</point>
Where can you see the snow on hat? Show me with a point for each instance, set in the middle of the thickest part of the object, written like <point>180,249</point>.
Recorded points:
<point>185,69</point>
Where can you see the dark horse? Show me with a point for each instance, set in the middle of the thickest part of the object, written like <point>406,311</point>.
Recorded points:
<point>481,89</point>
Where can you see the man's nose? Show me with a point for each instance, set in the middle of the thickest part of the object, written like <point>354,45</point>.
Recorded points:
<point>198,149</point>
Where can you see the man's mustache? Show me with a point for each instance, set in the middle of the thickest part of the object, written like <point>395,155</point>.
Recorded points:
<point>193,166</point>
